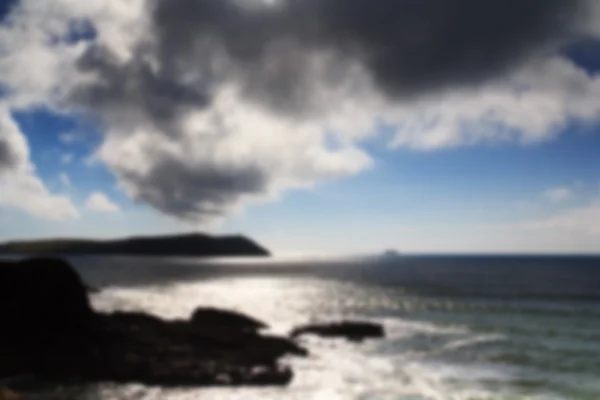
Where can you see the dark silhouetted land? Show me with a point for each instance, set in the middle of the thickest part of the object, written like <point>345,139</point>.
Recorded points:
<point>52,333</point>
<point>190,245</point>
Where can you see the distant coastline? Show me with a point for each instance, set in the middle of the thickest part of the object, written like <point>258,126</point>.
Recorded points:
<point>187,245</point>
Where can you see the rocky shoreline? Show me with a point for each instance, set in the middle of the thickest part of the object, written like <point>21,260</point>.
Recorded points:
<point>51,333</point>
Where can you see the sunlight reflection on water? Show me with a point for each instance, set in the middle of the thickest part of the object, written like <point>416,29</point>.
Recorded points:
<point>337,370</point>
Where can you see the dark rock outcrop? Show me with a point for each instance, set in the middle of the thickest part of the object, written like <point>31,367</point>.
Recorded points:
<point>50,332</point>
<point>204,316</point>
<point>351,330</point>
<point>41,295</point>
<point>7,394</point>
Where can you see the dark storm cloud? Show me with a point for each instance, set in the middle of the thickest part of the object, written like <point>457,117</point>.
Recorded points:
<point>8,159</point>
<point>133,90</point>
<point>190,192</point>
<point>5,156</point>
<point>407,46</point>
<point>282,55</point>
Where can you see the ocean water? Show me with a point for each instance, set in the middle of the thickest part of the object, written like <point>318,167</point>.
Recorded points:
<point>459,328</point>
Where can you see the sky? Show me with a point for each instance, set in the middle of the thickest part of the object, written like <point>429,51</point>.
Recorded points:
<point>314,127</point>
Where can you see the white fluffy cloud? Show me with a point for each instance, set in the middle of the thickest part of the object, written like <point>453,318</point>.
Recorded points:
<point>27,192</point>
<point>559,194</point>
<point>20,187</point>
<point>38,63</point>
<point>577,220</point>
<point>212,159</point>
<point>99,202</point>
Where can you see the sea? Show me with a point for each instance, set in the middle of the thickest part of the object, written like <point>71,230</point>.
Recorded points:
<point>458,327</point>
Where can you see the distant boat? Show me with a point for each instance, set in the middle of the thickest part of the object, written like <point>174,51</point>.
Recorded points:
<point>391,254</point>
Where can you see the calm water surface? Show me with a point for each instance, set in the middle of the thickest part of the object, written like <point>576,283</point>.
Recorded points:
<point>459,328</point>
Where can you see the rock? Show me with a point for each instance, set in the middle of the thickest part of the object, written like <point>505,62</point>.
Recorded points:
<point>278,346</point>
<point>50,332</point>
<point>351,330</point>
<point>41,295</point>
<point>139,348</point>
<point>7,394</point>
<point>267,349</point>
<point>214,318</point>
<point>136,347</point>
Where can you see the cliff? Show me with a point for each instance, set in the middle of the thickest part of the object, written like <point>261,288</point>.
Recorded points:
<point>192,245</point>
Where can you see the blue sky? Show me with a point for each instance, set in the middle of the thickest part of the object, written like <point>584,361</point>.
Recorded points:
<point>523,180</point>
<point>404,193</point>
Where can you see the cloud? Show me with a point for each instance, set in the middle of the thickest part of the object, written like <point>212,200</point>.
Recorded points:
<point>282,52</point>
<point>26,192</point>
<point>20,187</point>
<point>132,91</point>
<point>295,56</point>
<point>583,220</point>
<point>67,158</point>
<point>14,151</point>
<point>39,68</point>
<point>69,137</point>
<point>65,180</point>
<point>99,202</point>
<point>7,157</point>
<point>222,157</point>
<point>559,194</point>
<point>209,105</point>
